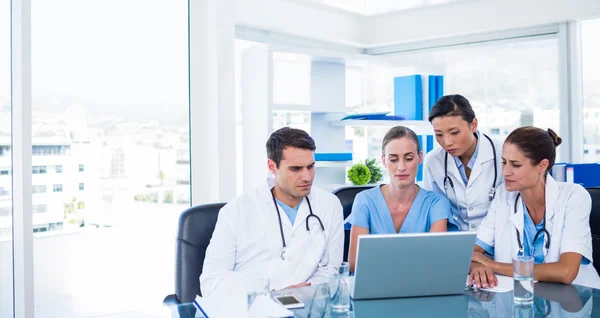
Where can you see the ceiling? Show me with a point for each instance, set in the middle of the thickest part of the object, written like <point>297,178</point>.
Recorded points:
<point>375,7</point>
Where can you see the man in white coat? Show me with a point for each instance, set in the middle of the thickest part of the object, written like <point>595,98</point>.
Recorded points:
<point>284,230</point>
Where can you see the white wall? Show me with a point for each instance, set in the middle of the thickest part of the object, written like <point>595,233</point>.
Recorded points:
<point>469,17</point>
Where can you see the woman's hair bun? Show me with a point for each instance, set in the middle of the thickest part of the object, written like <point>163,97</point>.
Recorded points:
<point>557,140</point>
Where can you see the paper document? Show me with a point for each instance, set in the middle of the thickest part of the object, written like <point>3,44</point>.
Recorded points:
<point>264,306</point>
<point>221,306</point>
<point>505,284</point>
<point>231,306</point>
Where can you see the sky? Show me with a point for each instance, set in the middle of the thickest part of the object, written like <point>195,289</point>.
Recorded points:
<point>128,52</point>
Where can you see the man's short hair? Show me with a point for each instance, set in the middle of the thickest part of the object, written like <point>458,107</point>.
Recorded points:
<point>287,137</point>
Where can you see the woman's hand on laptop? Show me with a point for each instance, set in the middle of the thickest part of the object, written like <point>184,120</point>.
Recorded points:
<point>482,276</point>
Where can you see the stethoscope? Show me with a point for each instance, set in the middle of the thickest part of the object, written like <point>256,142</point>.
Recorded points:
<point>543,230</point>
<point>448,180</point>
<point>282,255</point>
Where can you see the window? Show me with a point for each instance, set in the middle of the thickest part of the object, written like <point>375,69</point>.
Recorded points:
<point>43,150</point>
<point>294,119</point>
<point>40,208</point>
<point>117,163</point>
<point>124,130</point>
<point>59,169</point>
<point>7,232</point>
<point>40,229</point>
<point>81,168</point>
<point>509,84</point>
<point>5,149</point>
<point>355,86</point>
<point>39,169</point>
<point>291,79</point>
<point>57,188</point>
<point>590,50</point>
<point>6,218</point>
<point>5,211</point>
<point>39,189</point>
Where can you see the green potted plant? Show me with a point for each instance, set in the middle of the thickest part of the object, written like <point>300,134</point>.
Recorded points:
<point>375,169</point>
<point>359,174</point>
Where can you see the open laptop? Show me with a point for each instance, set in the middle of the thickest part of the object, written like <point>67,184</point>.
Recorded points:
<point>412,265</point>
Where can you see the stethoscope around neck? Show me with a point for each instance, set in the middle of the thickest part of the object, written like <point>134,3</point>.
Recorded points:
<point>537,235</point>
<point>308,217</point>
<point>448,180</point>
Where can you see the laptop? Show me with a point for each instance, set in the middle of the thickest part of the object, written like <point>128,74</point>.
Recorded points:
<point>412,265</point>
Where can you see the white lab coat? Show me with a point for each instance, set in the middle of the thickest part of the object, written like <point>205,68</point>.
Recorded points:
<point>568,208</point>
<point>472,198</point>
<point>247,242</point>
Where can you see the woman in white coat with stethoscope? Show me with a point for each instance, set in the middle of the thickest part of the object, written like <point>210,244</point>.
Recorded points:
<point>534,215</point>
<point>466,168</point>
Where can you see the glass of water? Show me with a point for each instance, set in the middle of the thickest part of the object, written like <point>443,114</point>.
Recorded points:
<point>339,289</point>
<point>257,287</point>
<point>523,311</point>
<point>523,279</point>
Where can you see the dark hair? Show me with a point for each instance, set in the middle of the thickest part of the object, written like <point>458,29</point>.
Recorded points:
<point>287,137</point>
<point>535,143</point>
<point>400,132</point>
<point>452,105</point>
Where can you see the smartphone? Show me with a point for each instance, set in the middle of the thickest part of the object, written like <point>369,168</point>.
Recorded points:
<point>289,301</point>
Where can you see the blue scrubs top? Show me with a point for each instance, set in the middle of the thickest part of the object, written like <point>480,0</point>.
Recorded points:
<point>470,164</point>
<point>371,211</point>
<point>531,230</point>
<point>289,211</point>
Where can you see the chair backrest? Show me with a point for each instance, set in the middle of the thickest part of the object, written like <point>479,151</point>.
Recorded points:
<point>346,196</point>
<point>196,226</point>
<point>595,226</point>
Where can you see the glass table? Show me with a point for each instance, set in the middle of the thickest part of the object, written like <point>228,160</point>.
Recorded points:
<point>551,300</point>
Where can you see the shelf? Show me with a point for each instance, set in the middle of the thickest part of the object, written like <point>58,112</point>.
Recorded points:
<point>326,164</point>
<point>333,156</point>
<point>420,127</point>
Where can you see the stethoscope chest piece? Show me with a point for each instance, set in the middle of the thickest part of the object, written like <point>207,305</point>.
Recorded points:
<point>448,180</point>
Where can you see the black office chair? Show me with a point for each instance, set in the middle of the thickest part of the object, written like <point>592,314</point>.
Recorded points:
<point>196,226</point>
<point>595,226</point>
<point>346,196</point>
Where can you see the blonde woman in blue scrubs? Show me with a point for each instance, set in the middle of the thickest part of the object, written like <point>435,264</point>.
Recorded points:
<point>401,206</point>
